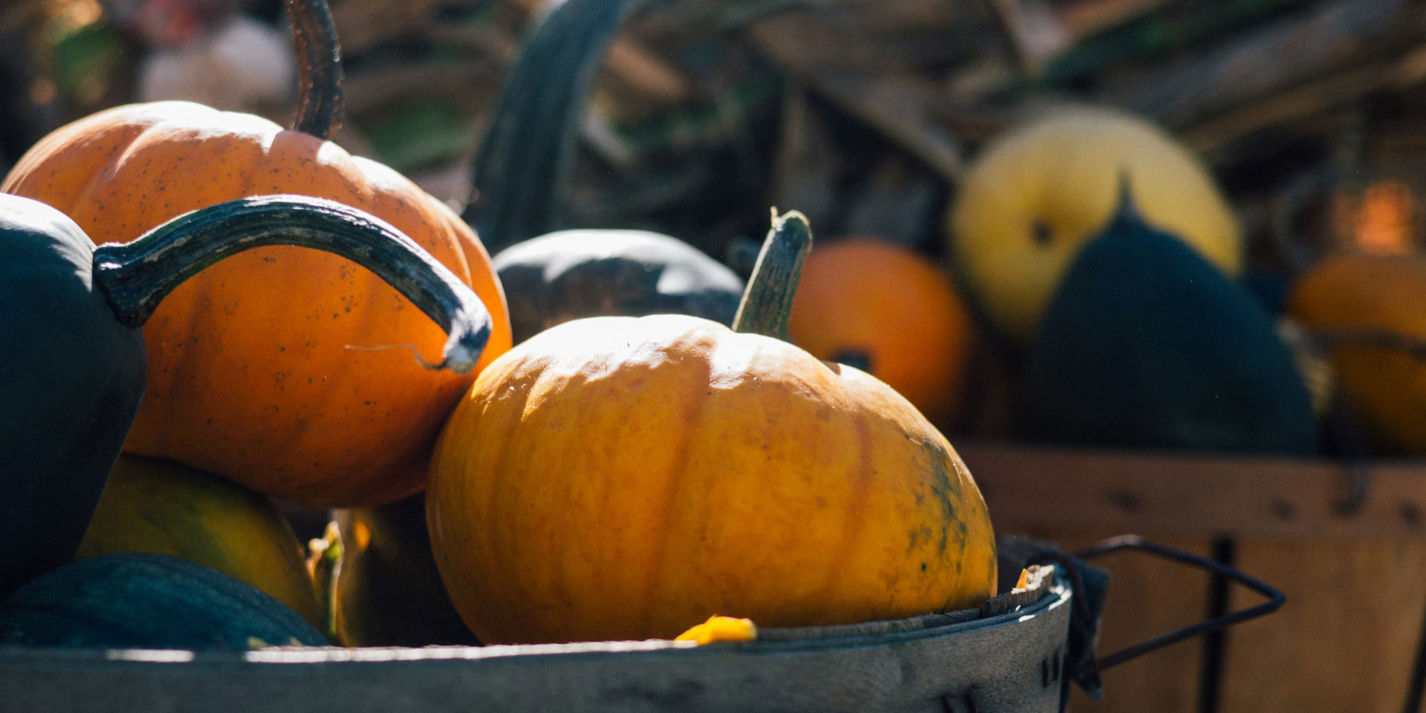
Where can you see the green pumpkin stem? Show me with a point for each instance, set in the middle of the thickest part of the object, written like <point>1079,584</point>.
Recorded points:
<point>319,68</point>
<point>136,276</point>
<point>767,301</point>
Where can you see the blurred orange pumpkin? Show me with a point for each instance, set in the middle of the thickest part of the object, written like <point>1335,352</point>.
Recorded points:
<point>890,311</point>
<point>1366,311</point>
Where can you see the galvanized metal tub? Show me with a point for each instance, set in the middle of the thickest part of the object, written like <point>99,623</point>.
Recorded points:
<point>1008,656</point>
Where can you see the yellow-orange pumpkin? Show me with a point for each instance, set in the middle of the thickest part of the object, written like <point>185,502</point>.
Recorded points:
<point>1037,192</point>
<point>622,477</point>
<point>890,311</point>
<point>290,371</point>
<point>164,508</point>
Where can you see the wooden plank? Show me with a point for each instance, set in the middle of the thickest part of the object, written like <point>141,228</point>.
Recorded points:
<point>1347,636</point>
<point>1149,597</point>
<point>1169,495</point>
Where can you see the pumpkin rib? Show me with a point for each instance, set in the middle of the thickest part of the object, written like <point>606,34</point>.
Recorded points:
<point>673,486</point>
<point>855,511</point>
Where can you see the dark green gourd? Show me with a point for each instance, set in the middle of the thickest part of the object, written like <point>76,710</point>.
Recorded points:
<point>550,272</point>
<point>569,274</point>
<point>147,601</point>
<point>72,355</point>
<point>1146,345</point>
<point>72,376</point>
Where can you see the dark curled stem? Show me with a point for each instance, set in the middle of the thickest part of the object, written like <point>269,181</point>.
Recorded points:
<point>136,276</point>
<point>319,68</point>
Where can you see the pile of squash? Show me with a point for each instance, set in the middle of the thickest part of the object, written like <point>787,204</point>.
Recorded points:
<point>217,315</point>
<point>544,435</point>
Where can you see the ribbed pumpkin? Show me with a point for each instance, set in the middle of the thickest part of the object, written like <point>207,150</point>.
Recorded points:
<point>288,370</point>
<point>628,477</point>
<point>1366,312</point>
<point>887,310</point>
<point>1037,192</point>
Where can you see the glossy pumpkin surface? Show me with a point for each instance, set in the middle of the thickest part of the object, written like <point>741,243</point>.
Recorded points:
<point>1036,193</point>
<point>622,477</point>
<point>164,508</point>
<point>288,370</point>
<point>889,311</point>
<point>1365,311</point>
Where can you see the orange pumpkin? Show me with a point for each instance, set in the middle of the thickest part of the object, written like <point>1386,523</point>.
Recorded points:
<point>1365,310</point>
<point>621,477</point>
<point>288,370</point>
<point>890,311</point>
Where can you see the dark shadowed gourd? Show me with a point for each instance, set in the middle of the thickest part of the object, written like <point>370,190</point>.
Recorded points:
<point>74,358</point>
<point>147,601</point>
<point>587,273</point>
<point>1148,345</point>
<point>551,273</point>
<point>387,591</point>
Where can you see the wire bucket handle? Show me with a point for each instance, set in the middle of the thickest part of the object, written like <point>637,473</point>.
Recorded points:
<point>1275,597</point>
<point>1090,584</point>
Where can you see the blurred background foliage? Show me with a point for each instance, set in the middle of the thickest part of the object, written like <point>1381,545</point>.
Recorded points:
<point>860,113</point>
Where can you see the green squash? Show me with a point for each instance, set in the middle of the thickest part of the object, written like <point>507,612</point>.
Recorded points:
<point>569,274</point>
<point>1147,345</point>
<point>71,375</point>
<point>521,177</point>
<point>72,355</point>
<point>147,601</point>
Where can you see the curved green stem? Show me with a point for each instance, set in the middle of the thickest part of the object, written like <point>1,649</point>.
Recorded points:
<point>767,301</point>
<point>136,276</point>
<point>526,159</point>
<point>319,68</point>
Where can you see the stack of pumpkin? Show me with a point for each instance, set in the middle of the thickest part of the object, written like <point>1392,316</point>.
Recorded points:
<point>606,477</point>
<point>592,434</point>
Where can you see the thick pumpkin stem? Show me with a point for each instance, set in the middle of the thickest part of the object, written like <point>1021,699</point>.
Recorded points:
<point>767,301</point>
<point>136,276</point>
<point>319,68</point>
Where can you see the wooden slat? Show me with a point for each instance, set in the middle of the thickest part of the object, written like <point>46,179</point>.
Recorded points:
<point>1033,490</point>
<point>1149,597</point>
<point>1346,638</point>
<point>1355,583</point>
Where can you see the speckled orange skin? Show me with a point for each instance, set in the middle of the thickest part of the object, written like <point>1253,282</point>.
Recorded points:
<point>872,297</point>
<point>626,478</point>
<point>283,368</point>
